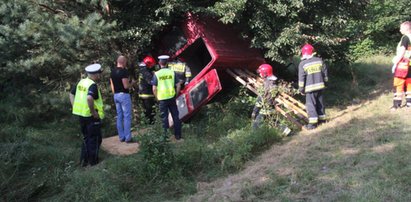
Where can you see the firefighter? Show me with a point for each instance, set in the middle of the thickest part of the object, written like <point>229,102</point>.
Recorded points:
<point>87,104</point>
<point>145,89</point>
<point>264,105</point>
<point>312,77</point>
<point>165,88</point>
<point>183,72</point>
<point>402,75</point>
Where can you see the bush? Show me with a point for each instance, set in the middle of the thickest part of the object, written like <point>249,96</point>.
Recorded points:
<point>157,154</point>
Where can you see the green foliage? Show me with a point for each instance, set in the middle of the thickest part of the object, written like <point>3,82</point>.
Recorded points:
<point>44,42</point>
<point>35,163</point>
<point>157,154</point>
<point>281,27</point>
<point>366,78</point>
<point>378,32</point>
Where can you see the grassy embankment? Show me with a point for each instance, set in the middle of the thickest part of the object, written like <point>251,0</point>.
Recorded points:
<point>361,154</point>
<point>40,159</point>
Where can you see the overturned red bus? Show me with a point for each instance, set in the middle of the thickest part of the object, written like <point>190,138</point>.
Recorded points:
<point>208,48</point>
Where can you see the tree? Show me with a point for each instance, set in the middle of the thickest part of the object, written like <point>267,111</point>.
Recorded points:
<point>49,41</point>
<point>282,27</point>
<point>45,46</point>
<point>378,31</point>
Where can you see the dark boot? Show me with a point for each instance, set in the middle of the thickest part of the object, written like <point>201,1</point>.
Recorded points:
<point>310,126</point>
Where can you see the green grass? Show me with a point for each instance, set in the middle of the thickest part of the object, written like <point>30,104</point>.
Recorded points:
<point>361,155</point>
<point>40,159</point>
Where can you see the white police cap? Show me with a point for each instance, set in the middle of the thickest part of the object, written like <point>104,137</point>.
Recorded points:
<point>163,57</point>
<point>93,69</point>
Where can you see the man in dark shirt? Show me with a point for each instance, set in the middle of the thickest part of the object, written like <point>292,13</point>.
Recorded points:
<point>120,86</point>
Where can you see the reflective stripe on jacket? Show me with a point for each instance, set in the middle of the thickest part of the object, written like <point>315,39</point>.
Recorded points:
<point>145,89</point>
<point>181,69</point>
<point>312,74</point>
<point>80,105</point>
<point>165,84</point>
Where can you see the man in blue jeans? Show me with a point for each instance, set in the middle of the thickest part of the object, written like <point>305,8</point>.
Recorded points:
<point>120,85</point>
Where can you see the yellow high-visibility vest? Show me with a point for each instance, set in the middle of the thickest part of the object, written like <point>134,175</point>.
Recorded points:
<point>165,84</point>
<point>80,105</point>
<point>177,67</point>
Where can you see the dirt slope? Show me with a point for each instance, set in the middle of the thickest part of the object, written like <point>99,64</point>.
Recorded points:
<point>316,164</point>
<point>113,145</point>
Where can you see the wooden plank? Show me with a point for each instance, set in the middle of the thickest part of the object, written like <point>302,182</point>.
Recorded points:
<point>239,79</point>
<point>301,105</point>
<point>291,106</point>
<point>251,82</point>
<point>249,78</point>
<point>290,118</point>
<point>258,78</point>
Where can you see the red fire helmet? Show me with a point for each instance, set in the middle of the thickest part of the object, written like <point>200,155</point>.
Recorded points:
<point>307,49</point>
<point>265,70</point>
<point>150,61</point>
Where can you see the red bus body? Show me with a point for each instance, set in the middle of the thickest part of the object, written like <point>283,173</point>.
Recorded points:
<point>208,47</point>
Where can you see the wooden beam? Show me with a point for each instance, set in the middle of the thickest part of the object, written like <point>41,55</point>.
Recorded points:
<point>249,78</point>
<point>239,79</point>
<point>291,106</point>
<point>290,118</point>
<point>301,105</point>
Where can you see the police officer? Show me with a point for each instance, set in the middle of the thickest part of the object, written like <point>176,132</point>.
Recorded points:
<point>87,104</point>
<point>165,84</point>
<point>312,76</point>
<point>145,89</point>
<point>183,72</point>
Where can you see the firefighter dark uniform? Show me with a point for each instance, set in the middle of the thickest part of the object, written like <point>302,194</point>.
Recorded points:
<point>402,74</point>
<point>312,75</point>
<point>145,91</point>
<point>90,123</point>
<point>265,101</point>
<point>164,86</point>
<point>183,72</point>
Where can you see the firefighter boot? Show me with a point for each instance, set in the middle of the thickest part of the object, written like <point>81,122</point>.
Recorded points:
<point>396,104</point>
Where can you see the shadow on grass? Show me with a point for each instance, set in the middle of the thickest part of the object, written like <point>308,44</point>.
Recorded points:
<point>362,159</point>
<point>363,81</point>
